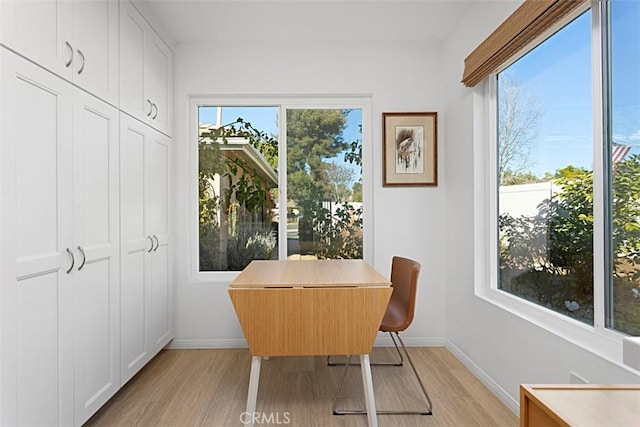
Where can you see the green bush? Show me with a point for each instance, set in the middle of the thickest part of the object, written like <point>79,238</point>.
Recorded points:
<point>548,258</point>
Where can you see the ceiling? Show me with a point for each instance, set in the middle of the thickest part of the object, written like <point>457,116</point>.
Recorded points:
<point>306,21</point>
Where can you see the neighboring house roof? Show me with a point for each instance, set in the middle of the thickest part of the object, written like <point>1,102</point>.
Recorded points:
<point>253,157</point>
<point>238,147</point>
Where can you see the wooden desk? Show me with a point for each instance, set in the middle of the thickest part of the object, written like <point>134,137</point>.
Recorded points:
<point>579,405</point>
<point>310,308</point>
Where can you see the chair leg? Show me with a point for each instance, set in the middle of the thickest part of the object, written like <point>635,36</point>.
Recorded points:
<point>400,363</point>
<point>383,412</point>
<point>424,390</point>
<point>344,376</point>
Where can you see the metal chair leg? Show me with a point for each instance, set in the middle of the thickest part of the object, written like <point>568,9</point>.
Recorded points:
<point>400,363</point>
<point>384,412</point>
<point>344,376</point>
<point>415,371</point>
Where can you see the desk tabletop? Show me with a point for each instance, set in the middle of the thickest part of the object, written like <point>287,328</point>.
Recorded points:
<point>587,404</point>
<point>309,274</point>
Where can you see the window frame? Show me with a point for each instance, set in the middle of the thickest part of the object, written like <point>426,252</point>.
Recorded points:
<point>598,338</point>
<point>282,102</point>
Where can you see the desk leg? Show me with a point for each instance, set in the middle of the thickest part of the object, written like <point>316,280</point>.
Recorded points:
<point>372,419</point>
<point>252,397</point>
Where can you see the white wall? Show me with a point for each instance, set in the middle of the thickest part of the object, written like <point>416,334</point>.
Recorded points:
<point>503,349</point>
<point>524,199</point>
<point>406,221</point>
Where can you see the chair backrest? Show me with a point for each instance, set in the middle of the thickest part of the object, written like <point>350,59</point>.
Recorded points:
<point>404,280</point>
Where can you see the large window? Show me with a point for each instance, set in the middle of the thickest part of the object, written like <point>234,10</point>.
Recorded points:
<point>275,182</point>
<point>567,170</point>
<point>545,171</point>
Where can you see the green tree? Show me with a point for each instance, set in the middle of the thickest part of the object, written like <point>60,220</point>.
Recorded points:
<point>339,180</point>
<point>626,209</point>
<point>510,177</point>
<point>570,222</point>
<point>313,137</point>
<point>356,192</point>
<point>319,186</point>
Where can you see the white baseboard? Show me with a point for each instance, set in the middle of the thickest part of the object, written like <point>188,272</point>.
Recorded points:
<point>495,388</point>
<point>192,344</point>
<point>385,341</point>
<point>381,341</point>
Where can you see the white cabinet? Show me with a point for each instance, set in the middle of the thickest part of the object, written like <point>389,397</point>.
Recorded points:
<point>146,291</point>
<point>96,283</point>
<point>40,30</point>
<point>67,320</point>
<point>95,41</point>
<point>146,71</point>
<point>76,39</point>
<point>36,227</point>
<point>59,249</point>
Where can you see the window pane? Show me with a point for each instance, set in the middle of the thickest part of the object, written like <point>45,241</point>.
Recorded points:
<point>324,183</point>
<point>624,307</point>
<point>238,186</point>
<point>545,174</point>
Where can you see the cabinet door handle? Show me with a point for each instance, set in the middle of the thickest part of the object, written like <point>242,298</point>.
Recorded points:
<point>150,107</point>
<point>73,260</point>
<point>81,56</point>
<point>84,257</point>
<point>70,54</point>
<point>150,238</point>
<point>156,114</point>
<point>157,242</point>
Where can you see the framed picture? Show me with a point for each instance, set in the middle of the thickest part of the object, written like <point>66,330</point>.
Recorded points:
<point>410,149</point>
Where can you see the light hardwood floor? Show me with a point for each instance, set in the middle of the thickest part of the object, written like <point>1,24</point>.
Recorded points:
<point>209,388</point>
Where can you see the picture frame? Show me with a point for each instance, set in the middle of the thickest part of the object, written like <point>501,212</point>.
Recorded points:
<point>410,149</point>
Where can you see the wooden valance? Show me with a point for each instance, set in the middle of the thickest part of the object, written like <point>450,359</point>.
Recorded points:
<point>529,21</point>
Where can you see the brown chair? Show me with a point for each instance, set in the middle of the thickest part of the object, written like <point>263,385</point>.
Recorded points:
<point>397,318</point>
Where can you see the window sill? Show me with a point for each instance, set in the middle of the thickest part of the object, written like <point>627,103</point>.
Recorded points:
<point>213,277</point>
<point>600,341</point>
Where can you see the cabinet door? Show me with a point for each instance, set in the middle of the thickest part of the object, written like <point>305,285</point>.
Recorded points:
<point>132,69</point>
<point>95,43</point>
<point>36,178</point>
<point>146,71</point>
<point>96,242</point>
<point>135,246</point>
<point>39,30</point>
<point>158,81</point>
<point>157,153</point>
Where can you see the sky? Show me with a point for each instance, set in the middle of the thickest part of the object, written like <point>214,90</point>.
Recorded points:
<point>558,74</point>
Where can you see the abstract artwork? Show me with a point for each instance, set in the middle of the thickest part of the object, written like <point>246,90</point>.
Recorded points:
<point>410,149</point>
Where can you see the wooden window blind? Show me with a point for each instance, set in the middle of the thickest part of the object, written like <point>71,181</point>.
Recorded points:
<point>524,25</point>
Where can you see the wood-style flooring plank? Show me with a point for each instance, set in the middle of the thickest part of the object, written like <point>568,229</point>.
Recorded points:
<point>183,388</point>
